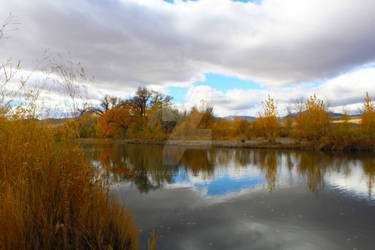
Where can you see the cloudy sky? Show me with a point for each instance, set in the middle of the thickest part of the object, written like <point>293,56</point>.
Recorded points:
<point>229,53</point>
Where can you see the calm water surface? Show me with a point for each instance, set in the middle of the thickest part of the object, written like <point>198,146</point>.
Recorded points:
<point>243,199</point>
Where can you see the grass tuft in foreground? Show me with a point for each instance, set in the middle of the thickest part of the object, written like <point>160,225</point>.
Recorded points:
<point>50,197</point>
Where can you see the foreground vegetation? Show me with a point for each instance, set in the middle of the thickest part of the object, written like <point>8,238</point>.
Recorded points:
<point>51,197</point>
<point>150,116</point>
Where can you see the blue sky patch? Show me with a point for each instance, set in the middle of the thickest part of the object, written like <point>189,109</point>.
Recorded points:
<point>224,83</point>
<point>216,81</point>
<point>179,94</point>
<point>226,185</point>
<point>181,176</point>
<point>172,1</point>
<point>244,1</point>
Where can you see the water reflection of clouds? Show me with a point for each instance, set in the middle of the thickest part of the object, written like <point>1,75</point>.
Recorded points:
<point>253,219</point>
<point>229,180</point>
<point>224,180</point>
<point>233,180</point>
<point>354,183</point>
<point>215,173</point>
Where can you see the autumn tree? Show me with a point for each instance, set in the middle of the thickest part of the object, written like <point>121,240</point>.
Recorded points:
<point>242,128</point>
<point>313,120</point>
<point>116,121</point>
<point>87,126</point>
<point>140,101</point>
<point>368,117</point>
<point>108,103</point>
<point>197,123</point>
<point>146,115</point>
<point>207,117</point>
<point>223,129</point>
<point>258,126</point>
<point>161,119</point>
<point>267,123</point>
<point>145,99</point>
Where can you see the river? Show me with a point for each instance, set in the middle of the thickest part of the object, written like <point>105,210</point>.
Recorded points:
<point>211,198</point>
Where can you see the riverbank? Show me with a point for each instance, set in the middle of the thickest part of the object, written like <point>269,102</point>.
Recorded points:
<point>279,143</point>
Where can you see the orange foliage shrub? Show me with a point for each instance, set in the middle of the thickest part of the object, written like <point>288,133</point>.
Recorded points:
<point>116,121</point>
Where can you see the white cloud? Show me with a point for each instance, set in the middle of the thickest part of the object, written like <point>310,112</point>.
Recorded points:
<point>129,43</point>
<point>345,91</point>
<point>152,42</point>
<point>349,88</point>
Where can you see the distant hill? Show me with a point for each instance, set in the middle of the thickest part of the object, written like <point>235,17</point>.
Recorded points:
<point>231,117</point>
<point>334,116</point>
<point>54,122</point>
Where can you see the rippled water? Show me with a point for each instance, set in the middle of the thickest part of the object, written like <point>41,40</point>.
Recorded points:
<point>243,199</point>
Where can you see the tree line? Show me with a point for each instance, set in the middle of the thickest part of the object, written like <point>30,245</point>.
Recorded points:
<point>151,115</point>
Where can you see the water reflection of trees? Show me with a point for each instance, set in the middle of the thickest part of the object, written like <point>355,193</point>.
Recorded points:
<point>369,170</point>
<point>150,167</point>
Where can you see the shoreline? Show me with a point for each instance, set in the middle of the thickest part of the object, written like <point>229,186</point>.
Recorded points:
<point>279,144</point>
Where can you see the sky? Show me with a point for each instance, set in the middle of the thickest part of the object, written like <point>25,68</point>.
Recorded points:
<point>231,54</point>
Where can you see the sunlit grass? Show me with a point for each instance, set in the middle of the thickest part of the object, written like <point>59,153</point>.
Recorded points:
<point>353,121</point>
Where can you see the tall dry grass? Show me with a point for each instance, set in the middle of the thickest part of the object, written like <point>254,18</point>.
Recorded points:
<point>51,197</point>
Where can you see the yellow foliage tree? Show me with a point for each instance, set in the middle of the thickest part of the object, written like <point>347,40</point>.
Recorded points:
<point>313,121</point>
<point>267,124</point>
<point>222,129</point>
<point>242,128</point>
<point>368,117</point>
<point>195,124</point>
